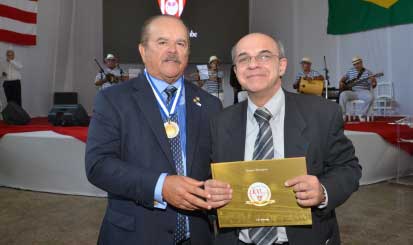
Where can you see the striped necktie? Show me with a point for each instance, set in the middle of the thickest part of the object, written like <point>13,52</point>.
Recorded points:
<point>264,149</point>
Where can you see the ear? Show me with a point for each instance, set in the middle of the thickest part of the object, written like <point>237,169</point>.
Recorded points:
<point>282,66</point>
<point>235,69</point>
<point>142,52</point>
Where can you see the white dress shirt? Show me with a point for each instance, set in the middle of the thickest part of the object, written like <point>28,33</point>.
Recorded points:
<point>12,68</point>
<point>276,105</point>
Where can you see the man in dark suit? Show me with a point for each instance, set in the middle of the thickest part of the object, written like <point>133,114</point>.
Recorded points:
<point>273,123</point>
<point>149,147</point>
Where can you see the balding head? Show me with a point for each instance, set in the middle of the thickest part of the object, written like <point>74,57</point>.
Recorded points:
<point>259,64</point>
<point>252,36</point>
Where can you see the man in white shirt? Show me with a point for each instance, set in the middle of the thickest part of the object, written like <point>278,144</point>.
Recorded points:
<point>111,73</point>
<point>274,123</point>
<point>11,73</point>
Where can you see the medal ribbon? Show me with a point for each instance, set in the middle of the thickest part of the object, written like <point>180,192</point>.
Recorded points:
<point>166,110</point>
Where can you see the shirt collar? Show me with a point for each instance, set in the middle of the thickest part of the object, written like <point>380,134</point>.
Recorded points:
<point>274,105</point>
<point>162,85</point>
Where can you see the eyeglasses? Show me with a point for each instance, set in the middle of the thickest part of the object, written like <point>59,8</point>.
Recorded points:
<point>262,58</point>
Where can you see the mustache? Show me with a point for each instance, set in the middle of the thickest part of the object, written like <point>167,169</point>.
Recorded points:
<point>173,58</point>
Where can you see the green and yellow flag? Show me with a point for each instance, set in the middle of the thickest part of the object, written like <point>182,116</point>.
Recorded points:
<point>347,16</point>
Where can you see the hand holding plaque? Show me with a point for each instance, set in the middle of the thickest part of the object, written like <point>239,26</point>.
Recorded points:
<point>220,193</point>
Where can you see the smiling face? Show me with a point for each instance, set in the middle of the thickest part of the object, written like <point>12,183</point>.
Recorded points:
<point>259,76</point>
<point>166,49</point>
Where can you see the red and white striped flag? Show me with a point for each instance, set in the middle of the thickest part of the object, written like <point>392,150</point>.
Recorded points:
<point>18,19</point>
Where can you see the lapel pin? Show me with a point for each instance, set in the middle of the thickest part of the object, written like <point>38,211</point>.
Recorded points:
<point>197,101</point>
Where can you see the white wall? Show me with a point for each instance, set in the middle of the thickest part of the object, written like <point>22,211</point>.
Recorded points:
<point>301,25</point>
<point>69,37</point>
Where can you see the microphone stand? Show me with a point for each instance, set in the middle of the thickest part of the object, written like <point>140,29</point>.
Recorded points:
<point>326,78</point>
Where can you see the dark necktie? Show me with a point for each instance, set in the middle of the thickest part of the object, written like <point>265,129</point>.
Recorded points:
<point>263,149</point>
<point>175,144</point>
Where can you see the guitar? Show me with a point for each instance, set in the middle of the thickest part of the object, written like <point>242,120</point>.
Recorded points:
<point>353,82</point>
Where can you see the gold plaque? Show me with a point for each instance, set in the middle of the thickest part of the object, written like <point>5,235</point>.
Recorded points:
<point>259,196</point>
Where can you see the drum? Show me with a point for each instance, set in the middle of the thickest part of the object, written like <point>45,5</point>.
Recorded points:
<point>311,87</point>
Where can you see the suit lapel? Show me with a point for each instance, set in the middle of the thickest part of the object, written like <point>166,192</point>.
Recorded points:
<point>193,117</point>
<point>146,101</point>
<point>295,143</point>
<point>236,132</point>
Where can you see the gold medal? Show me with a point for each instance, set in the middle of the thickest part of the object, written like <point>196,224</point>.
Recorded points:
<point>171,129</point>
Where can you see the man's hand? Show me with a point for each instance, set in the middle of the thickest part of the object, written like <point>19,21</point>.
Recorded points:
<point>308,190</point>
<point>185,193</point>
<point>221,193</point>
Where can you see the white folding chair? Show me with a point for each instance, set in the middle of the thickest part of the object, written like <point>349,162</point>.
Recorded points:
<point>383,102</point>
<point>354,108</point>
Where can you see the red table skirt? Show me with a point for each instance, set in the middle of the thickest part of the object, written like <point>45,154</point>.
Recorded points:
<point>384,129</point>
<point>41,124</point>
<point>387,131</point>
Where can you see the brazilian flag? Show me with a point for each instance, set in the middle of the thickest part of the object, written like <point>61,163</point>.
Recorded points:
<point>348,16</point>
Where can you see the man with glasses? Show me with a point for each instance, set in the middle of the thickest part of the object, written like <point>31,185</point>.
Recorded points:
<point>274,123</point>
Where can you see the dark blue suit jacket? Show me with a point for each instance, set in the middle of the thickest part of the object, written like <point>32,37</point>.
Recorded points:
<point>313,127</point>
<point>127,150</point>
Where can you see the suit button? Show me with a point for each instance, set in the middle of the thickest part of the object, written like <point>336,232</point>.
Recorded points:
<point>171,231</point>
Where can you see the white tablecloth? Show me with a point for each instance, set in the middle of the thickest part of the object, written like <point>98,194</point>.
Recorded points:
<point>51,162</point>
<point>379,158</point>
<point>45,161</point>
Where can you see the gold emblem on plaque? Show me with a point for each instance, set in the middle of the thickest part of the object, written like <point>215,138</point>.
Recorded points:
<point>259,194</point>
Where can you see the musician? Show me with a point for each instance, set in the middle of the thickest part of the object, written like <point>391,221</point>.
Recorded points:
<point>111,74</point>
<point>307,73</point>
<point>213,85</point>
<point>361,89</point>
<point>10,71</point>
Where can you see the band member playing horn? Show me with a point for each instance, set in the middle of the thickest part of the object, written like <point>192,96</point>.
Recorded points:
<point>356,85</point>
<point>307,73</point>
<point>111,74</point>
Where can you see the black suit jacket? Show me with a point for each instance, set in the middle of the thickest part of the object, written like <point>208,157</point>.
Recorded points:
<point>313,127</point>
<point>127,150</point>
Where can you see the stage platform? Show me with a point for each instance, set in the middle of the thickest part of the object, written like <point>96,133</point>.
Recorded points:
<point>54,162</point>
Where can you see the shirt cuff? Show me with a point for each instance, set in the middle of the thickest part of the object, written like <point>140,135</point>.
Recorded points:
<point>158,199</point>
<point>325,203</point>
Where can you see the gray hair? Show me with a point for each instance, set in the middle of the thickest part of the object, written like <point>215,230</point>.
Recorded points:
<point>148,22</point>
<point>280,45</point>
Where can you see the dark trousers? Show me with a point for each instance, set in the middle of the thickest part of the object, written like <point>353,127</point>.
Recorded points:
<point>13,91</point>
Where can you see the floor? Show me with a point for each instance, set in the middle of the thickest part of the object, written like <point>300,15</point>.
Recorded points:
<point>377,214</point>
